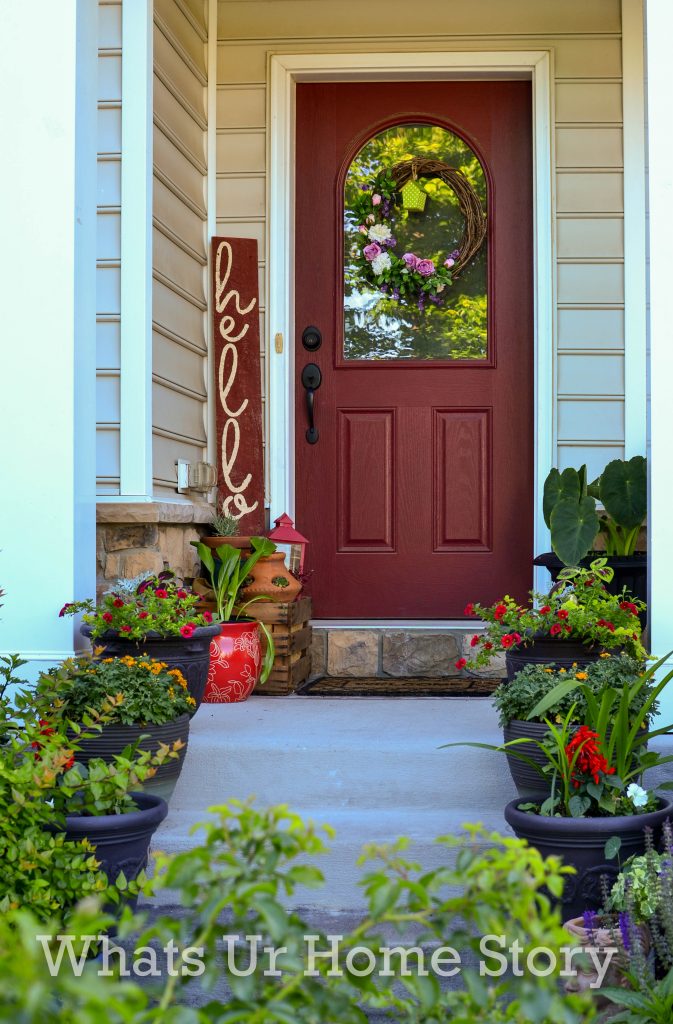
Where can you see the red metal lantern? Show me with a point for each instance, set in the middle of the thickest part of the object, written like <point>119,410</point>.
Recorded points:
<point>285,533</point>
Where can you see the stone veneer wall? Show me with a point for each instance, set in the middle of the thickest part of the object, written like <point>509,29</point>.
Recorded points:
<point>381,652</point>
<point>147,537</point>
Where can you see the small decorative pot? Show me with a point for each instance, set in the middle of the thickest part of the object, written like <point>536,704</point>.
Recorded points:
<point>235,662</point>
<point>271,579</point>
<point>122,841</point>
<point>113,738</point>
<point>602,938</point>
<point>580,842</point>
<point>234,542</point>
<point>191,656</point>
<point>547,650</point>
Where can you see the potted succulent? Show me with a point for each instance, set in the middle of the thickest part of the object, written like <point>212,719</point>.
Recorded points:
<point>237,662</point>
<point>143,701</point>
<point>516,702</point>
<point>225,530</point>
<point>575,520</point>
<point>574,623</point>
<point>595,770</point>
<point>160,618</point>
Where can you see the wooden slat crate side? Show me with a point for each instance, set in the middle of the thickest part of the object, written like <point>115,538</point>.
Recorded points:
<point>290,614</point>
<point>291,632</point>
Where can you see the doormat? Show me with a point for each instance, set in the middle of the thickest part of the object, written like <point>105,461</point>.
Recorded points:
<point>404,686</point>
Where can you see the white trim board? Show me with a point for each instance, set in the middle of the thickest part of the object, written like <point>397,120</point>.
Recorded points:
<point>284,71</point>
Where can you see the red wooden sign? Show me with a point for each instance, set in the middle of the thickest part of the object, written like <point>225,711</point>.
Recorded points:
<point>238,384</point>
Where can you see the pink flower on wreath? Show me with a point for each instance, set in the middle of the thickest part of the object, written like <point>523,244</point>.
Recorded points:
<point>187,630</point>
<point>449,262</point>
<point>425,267</point>
<point>371,251</point>
<point>411,260</point>
<point>161,592</point>
<point>376,199</point>
<point>363,230</point>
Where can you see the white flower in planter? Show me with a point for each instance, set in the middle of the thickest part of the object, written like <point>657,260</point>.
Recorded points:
<point>638,796</point>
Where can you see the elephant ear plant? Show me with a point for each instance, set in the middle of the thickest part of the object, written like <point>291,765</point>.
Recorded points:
<point>227,575</point>
<point>570,512</point>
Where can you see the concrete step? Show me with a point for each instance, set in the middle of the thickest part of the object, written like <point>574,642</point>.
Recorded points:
<point>369,767</point>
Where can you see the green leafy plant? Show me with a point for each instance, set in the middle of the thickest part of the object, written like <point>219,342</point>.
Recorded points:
<point>637,888</point>
<point>144,690</point>
<point>9,666</point>
<point>578,607</point>
<point>570,508</point>
<point>227,575</point>
<point>649,1004</point>
<point>159,606</point>
<point>516,699</point>
<point>224,525</point>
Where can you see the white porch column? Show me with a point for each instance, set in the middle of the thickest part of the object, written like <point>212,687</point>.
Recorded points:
<point>47,448</point>
<point>659,31</point>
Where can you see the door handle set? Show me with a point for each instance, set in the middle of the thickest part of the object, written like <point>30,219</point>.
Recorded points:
<point>311,379</point>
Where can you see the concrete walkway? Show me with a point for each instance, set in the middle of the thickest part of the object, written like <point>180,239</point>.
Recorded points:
<point>370,767</point>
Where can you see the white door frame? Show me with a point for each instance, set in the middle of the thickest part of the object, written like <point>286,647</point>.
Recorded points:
<point>285,70</point>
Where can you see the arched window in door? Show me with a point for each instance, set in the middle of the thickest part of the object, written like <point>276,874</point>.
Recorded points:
<point>449,322</point>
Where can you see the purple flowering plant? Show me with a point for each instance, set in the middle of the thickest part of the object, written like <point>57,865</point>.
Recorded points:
<point>408,278</point>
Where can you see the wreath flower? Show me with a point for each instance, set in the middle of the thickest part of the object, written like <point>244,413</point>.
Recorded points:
<point>411,278</point>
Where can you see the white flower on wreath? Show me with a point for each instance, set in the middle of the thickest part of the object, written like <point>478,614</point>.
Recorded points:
<point>380,233</point>
<point>637,795</point>
<point>381,263</point>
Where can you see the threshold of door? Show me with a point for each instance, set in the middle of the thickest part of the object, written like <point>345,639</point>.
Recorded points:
<point>425,624</point>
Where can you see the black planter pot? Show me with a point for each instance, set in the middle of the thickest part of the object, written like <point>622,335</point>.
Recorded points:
<point>630,572</point>
<point>580,842</point>
<point>191,656</point>
<point>527,781</point>
<point>122,841</point>
<point>113,738</point>
<point>548,650</point>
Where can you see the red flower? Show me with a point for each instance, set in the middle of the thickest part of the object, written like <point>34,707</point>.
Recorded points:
<point>488,646</point>
<point>585,746</point>
<point>628,606</point>
<point>562,614</point>
<point>107,616</point>
<point>118,603</point>
<point>469,609</point>
<point>142,615</point>
<point>567,628</point>
<point>208,616</point>
<point>509,639</point>
<point>45,728</point>
<point>187,630</point>
<point>555,629</point>
<point>161,592</point>
<point>545,609</point>
<point>461,663</point>
<point>500,611</point>
<point>182,593</point>
<point>606,625</point>
<point>124,629</point>
<point>474,641</point>
<point>70,762</point>
<point>65,609</point>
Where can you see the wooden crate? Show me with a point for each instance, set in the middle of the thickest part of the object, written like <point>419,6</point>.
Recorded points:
<point>289,626</point>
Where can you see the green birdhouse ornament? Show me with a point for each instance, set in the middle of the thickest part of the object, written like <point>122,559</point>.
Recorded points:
<point>414,197</point>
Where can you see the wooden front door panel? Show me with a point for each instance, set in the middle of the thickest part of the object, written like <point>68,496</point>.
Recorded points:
<point>418,495</point>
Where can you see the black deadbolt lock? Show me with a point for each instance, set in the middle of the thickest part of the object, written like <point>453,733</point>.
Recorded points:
<point>311,339</point>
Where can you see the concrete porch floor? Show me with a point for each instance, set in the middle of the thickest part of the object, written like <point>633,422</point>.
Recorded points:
<point>370,767</point>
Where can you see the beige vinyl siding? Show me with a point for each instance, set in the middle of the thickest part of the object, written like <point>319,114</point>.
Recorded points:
<point>585,41</point>
<point>108,246</point>
<point>179,257</point>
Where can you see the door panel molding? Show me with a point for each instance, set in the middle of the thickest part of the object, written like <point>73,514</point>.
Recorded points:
<point>285,70</point>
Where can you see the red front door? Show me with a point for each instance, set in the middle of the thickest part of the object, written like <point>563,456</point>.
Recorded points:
<point>417,495</point>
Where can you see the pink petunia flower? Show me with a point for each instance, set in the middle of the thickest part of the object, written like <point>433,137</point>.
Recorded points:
<point>187,630</point>
<point>161,592</point>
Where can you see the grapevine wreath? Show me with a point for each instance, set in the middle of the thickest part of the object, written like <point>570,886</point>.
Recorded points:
<point>410,278</point>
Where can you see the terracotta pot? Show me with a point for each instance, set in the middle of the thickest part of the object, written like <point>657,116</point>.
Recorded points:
<point>273,580</point>
<point>233,542</point>
<point>235,662</point>
<point>601,938</point>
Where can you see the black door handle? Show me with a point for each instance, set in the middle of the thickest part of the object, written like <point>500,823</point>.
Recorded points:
<point>311,379</point>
